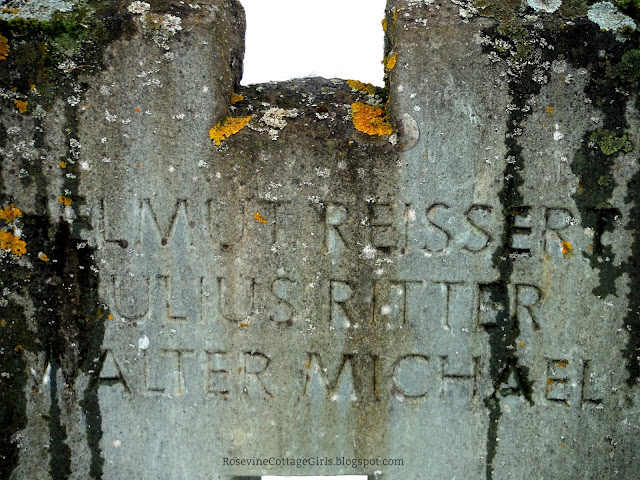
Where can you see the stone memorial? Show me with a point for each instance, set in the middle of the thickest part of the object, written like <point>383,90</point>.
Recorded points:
<point>433,280</point>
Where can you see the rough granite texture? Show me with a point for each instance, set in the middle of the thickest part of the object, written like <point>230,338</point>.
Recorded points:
<point>213,272</point>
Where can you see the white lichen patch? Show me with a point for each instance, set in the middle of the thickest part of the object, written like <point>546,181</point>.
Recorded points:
<point>369,252</point>
<point>275,120</point>
<point>548,6</point>
<point>608,17</point>
<point>159,27</point>
<point>275,117</point>
<point>139,8</point>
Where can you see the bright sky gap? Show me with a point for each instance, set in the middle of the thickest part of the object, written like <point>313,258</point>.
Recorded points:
<point>333,39</point>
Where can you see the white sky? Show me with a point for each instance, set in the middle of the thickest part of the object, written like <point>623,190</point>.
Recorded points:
<point>328,38</point>
<point>338,477</point>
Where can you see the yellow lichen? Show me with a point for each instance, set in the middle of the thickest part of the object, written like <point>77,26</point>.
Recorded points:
<point>384,24</point>
<point>371,120</point>
<point>21,106</point>
<point>259,218</point>
<point>566,247</point>
<point>362,87</point>
<point>229,126</point>
<point>4,48</point>
<point>549,109</point>
<point>64,200</point>
<point>10,213</point>
<point>391,62</point>
<point>62,164</point>
<point>9,242</point>
<point>235,98</point>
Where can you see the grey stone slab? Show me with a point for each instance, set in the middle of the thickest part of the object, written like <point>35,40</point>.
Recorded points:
<point>458,295</point>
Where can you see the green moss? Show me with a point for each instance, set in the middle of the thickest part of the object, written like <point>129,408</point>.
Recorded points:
<point>608,143</point>
<point>499,9</point>
<point>628,69</point>
<point>39,47</point>
<point>574,8</point>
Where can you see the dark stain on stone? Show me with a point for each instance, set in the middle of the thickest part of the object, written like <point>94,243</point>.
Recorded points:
<point>503,335</point>
<point>12,407</point>
<point>60,460</point>
<point>631,321</point>
<point>594,162</point>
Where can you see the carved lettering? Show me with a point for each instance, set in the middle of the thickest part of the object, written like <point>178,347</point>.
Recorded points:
<point>462,380</point>
<point>556,219</point>
<point>383,229</point>
<point>217,373</point>
<point>447,290</point>
<point>282,289</point>
<point>226,223</point>
<point>339,293</point>
<point>255,365</point>
<point>412,376</point>
<point>110,372</point>
<point>131,296</point>
<point>153,225</point>
<point>492,304</point>
<point>520,233</point>
<point>111,234</point>
<point>479,237</point>
<point>236,303</point>
<point>558,389</point>
<point>334,387</point>
<point>441,236</point>
<point>527,297</point>
<point>391,301</point>
<point>335,215</point>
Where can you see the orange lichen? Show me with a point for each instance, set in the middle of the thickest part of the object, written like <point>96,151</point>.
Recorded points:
<point>362,87</point>
<point>562,363</point>
<point>43,257</point>
<point>566,247</point>
<point>21,106</point>
<point>9,242</point>
<point>229,126</point>
<point>549,381</point>
<point>10,213</point>
<point>522,344</point>
<point>4,48</point>
<point>550,109</point>
<point>391,62</point>
<point>64,200</point>
<point>259,218</point>
<point>110,317</point>
<point>235,98</point>
<point>18,348</point>
<point>62,164</point>
<point>371,120</point>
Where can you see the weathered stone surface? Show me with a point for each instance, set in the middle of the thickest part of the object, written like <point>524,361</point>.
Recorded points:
<point>460,294</point>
